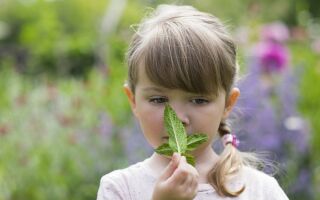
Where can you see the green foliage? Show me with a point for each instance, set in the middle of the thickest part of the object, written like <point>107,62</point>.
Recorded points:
<point>178,140</point>
<point>56,37</point>
<point>195,140</point>
<point>164,149</point>
<point>309,102</point>
<point>52,145</point>
<point>175,130</point>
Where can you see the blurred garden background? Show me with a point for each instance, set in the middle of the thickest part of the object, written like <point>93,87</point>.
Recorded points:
<point>64,118</point>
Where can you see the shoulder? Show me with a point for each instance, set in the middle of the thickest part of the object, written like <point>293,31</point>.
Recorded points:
<point>119,183</point>
<point>112,185</point>
<point>124,174</point>
<point>120,178</point>
<point>255,175</point>
<point>262,184</point>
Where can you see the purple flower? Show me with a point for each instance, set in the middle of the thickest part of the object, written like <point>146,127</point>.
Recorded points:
<point>269,119</point>
<point>105,126</point>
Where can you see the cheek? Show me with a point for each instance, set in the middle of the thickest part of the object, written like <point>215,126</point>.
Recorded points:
<point>151,122</point>
<point>209,121</point>
<point>209,125</point>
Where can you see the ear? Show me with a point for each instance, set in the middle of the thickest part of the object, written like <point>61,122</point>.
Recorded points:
<point>231,101</point>
<point>131,98</point>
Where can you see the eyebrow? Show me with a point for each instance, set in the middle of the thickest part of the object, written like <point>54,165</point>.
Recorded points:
<point>152,89</point>
<point>161,89</point>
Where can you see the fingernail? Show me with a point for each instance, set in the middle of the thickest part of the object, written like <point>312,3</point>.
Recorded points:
<point>175,157</point>
<point>184,158</point>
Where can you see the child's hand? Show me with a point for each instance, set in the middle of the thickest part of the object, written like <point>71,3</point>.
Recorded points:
<point>179,181</point>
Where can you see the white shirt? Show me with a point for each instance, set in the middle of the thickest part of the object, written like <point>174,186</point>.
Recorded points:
<point>137,182</point>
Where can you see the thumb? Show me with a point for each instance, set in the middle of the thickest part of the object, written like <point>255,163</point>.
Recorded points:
<point>168,171</point>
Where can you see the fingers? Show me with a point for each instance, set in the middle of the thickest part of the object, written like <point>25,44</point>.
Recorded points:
<point>185,179</point>
<point>169,170</point>
<point>178,181</point>
<point>193,185</point>
<point>184,173</point>
<point>181,173</point>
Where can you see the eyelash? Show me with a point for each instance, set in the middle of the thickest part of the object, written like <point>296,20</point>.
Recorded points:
<point>203,101</point>
<point>158,100</point>
<point>161,100</point>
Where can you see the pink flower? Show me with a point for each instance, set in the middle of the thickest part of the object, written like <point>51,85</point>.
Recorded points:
<point>272,56</point>
<point>276,31</point>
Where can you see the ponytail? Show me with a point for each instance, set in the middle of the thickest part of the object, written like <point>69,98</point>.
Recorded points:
<point>228,164</point>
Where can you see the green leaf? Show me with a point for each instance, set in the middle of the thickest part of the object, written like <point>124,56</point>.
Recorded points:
<point>178,139</point>
<point>190,159</point>
<point>164,149</point>
<point>176,131</point>
<point>195,140</point>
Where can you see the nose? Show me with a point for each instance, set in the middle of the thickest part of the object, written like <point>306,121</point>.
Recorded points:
<point>182,114</point>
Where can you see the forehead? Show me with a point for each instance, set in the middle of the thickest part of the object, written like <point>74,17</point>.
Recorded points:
<point>145,85</point>
<point>142,78</point>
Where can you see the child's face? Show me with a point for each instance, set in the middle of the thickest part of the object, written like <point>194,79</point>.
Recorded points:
<point>199,113</point>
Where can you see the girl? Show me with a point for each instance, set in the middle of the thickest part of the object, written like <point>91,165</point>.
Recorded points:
<point>186,58</point>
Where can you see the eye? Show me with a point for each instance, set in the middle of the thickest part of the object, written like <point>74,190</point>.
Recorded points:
<point>158,100</point>
<point>200,101</point>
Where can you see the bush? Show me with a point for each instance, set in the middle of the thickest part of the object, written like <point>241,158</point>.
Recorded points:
<point>56,140</point>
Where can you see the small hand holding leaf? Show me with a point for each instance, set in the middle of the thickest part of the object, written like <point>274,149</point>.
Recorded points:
<point>178,139</point>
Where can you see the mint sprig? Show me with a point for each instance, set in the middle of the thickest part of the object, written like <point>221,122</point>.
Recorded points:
<point>179,141</point>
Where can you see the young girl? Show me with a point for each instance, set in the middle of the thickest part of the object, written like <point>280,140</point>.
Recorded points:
<point>186,58</point>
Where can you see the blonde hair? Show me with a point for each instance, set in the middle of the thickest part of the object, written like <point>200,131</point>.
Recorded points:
<point>183,48</point>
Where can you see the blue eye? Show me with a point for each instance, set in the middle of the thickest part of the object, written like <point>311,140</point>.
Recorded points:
<point>158,100</point>
<point>199,101</point>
